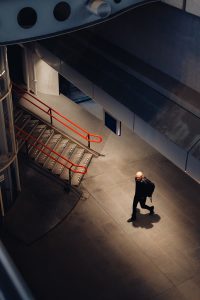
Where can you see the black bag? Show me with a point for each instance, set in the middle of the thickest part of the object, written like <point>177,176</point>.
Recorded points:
<point>150,186</point>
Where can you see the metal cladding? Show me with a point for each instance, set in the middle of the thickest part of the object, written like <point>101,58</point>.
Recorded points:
<point>22,21</point>
<point>100,8</point>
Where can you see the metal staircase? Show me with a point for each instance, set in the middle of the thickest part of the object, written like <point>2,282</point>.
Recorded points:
<point>49,148</point>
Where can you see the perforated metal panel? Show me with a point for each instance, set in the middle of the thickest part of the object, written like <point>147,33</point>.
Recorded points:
<point>34,19</point>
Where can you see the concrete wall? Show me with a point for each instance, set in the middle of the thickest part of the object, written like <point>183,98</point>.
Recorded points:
<point>38,75</point>
<point>28,69</point>
<point>162,36</point>
<point>193,7</point>
<point>47,78</point>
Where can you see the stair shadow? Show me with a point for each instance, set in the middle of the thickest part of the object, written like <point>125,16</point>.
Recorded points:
<point>41,206</point>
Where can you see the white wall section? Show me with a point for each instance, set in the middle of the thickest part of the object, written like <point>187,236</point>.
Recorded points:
<point>47,78</point>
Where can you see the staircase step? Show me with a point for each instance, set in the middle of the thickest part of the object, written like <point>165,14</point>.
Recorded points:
<point>75,158</point>
<point>31,125</point>
<point>29,128</point>
<point>17,114</point>
<point>49,164</point>
<point>67,154</point>
<point>44,138</point>
<point>56,142</point>
<point>37,132</point>
<point>85,161</point>
<point>51,144</point>
<point>22,121</point>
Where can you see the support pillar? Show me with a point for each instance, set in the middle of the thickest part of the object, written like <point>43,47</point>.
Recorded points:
<point>9,172</point>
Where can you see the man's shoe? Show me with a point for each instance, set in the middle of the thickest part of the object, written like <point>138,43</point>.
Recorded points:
<point>151,210</point>
<point>131,220</point>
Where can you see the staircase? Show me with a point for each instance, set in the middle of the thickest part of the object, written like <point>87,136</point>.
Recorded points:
<point>49,148</point>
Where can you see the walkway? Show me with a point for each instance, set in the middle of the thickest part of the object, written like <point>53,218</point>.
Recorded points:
<point>95,254</point>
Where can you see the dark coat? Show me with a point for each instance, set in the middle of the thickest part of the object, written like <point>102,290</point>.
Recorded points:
<point>140,188</point>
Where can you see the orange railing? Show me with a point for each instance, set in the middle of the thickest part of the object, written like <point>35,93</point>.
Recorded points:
<point>89,137</point>
<point>28,137</point>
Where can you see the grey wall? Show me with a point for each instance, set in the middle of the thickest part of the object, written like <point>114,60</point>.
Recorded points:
<point>162,36</point>
<point>191,6</point>
<point>175,3</point>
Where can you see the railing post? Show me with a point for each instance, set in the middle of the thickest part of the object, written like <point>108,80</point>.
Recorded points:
<point>1,204</point>
<point>51,119</point>
<point>70,177</point>
<point>88,136</point>
<point>26,143</point>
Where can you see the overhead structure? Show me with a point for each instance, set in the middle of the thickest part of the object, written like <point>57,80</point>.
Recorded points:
<point>24,20</point>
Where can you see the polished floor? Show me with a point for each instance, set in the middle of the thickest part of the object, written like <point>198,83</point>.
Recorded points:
<point>94,253</point>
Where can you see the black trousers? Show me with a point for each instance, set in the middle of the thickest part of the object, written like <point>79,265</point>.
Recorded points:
<point>142,201</point>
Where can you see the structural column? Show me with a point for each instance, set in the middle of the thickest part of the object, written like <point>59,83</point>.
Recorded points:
<point>9,173</point>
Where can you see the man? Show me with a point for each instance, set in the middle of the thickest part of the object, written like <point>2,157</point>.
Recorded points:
<point>140,195</point>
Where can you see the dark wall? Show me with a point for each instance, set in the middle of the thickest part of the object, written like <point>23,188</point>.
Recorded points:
<point>15,62</point>
<point>163,36</point>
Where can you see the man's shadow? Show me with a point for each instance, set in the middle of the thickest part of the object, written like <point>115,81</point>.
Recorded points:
<point>145,220</point>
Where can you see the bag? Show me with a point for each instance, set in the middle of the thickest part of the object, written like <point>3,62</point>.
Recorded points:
<point>150,186</point>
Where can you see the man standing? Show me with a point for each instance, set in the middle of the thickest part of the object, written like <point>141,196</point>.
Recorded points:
<point>141,193</point>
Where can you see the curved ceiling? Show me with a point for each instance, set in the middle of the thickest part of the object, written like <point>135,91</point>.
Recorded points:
<point>23,20</point>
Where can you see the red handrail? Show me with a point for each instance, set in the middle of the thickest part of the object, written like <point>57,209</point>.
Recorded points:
<point>86,137</point>
<point>26,139</point>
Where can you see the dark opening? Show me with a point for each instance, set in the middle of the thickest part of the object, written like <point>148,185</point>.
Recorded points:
<point>27,17</point>
<point>117,1</point>
<point>63,86</point>
<point>62,11</point>
<point>112,124</point>
<point>15,62</point>
<point>71,91</point>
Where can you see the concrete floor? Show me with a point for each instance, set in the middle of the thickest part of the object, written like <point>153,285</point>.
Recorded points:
<point>95,254</point>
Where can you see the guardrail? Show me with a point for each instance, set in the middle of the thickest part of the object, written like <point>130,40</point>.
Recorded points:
<point>28,138</point>
<point>55,115</point>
